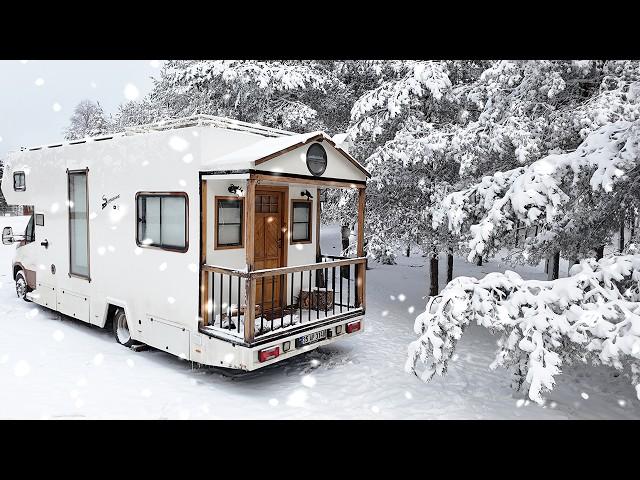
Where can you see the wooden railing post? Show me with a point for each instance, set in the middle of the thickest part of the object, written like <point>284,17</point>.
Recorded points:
<point>250,284</point>
<point>360,277</point>
<point>250,312</point>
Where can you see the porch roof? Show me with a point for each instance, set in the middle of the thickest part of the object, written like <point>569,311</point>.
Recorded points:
<point>259,152</point>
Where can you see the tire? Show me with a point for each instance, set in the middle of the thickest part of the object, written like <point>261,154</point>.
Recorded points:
<point>121,329</point>
<point>22,288</point>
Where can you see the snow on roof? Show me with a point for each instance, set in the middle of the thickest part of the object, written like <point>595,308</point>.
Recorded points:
<point>271,147</point>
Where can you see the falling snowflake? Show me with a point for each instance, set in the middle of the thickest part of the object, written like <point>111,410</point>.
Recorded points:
<point>375,409</point>
<point>130,363</point>
<point>411,309</point>
<point>171,300</point>
<point>178,144</point>
<point>56,107</point>
<point>622,402</point>
<point>93,85</point>
<point>520,403</point>
<point>102,250</point>
<point>188,158</point>
<point>584,395</point>
<point>408,395</point>
<point>98,359</point>
<point>273,402</point>
<point>155,63</point>
<point>308,381</point>
<point>163,266</point>
<point>21,369</point>
<point>131,92</point>
<point>193,267</point>
<point>402,297</point>
<point>297,399</point>
<point>58,336</point>
<point>39,82</point>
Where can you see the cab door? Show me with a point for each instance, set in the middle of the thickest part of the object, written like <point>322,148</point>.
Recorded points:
<point>46,270</point>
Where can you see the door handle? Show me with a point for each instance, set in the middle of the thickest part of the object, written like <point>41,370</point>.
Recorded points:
<point>45,244</point>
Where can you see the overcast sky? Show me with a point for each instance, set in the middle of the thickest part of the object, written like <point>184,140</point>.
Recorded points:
<point>37,97</point>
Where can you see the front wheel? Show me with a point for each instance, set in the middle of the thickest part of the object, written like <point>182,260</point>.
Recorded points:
<point>22,288</point>
<point>121,329</point>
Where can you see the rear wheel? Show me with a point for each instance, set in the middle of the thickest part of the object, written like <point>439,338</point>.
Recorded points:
<point>22,288</point>
<point>121,329</point>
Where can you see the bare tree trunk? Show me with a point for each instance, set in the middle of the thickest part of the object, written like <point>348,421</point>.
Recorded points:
<point>479,261</point>
<point>408,250</point>
<point>633,224</point>
<point>571,264</point>
<point>433,270</point>
<point>621,236</point>
<point>554,266</point>
<point>599,252</point>
<point>449,265</point>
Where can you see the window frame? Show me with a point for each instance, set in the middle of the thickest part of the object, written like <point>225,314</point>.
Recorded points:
<point>310,222</point>
<point>186,220</point>
<point>85,171</point>
<point>40,215</point>
<point>216,219</point>
<point>24,181</point>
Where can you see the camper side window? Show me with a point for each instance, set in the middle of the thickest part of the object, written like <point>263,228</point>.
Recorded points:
<point>19,184</point>
<point>229,222</point>
<point>162,220</point>
<point>301,221</point>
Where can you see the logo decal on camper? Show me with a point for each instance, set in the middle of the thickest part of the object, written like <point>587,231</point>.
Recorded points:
<point>106,201</point>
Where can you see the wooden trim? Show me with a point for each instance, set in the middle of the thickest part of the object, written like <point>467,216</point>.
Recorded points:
<point>215,222</point>
<point>318,207</point>
<point>263,176</point>
<point>304,268</point>
<point>310,223</point>
<point>250,284</point>
<point>361,278</point>
<point>316,138</point>
<point>204,275</point>
<point>186,220</point>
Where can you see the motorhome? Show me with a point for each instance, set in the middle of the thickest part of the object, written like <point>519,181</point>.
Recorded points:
<point>197,236</point>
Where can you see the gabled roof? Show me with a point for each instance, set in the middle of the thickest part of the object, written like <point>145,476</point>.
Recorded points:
<point>269,148</point>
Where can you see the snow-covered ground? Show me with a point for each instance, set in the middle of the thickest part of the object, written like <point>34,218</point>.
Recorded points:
<point>55,367</point>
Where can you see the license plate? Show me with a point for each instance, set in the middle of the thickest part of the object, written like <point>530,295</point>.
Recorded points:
<point>311,338</point>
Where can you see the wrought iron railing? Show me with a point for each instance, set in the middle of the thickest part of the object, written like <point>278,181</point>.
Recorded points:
<point>280,298</point>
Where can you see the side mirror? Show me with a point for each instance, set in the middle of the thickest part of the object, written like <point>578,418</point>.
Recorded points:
<point>7,236</point>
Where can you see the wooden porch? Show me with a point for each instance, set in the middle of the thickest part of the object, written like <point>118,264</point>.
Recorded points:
<point>235,302</point>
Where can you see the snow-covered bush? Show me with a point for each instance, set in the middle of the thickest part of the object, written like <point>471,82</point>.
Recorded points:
<point>593,316</point>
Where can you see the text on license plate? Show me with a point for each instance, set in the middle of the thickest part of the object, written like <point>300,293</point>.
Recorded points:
<point>311,338</point>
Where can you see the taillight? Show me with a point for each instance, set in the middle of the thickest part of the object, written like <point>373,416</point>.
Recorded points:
<point>353,327</point>
<point>268,353</point>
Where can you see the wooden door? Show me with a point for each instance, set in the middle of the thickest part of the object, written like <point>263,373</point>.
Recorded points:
<point>268,246</point>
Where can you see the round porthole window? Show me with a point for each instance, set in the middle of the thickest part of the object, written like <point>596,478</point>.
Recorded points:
<point>316,159</point>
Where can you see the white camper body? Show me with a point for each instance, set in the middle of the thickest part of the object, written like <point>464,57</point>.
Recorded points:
<point>179,228</point>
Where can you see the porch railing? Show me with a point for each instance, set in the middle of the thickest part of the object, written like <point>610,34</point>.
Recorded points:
<point>280,298</point>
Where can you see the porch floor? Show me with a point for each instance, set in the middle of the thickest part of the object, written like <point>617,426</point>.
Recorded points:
<point>280,323</point>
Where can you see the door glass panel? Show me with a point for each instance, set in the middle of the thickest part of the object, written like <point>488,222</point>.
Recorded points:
<point>78,224</point>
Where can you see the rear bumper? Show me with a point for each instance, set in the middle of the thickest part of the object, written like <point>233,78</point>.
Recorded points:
<point>216,350</point>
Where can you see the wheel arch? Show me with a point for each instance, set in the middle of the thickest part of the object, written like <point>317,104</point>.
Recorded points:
<point>110,307</point>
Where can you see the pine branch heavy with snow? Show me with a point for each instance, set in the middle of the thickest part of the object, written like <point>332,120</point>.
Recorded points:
<point>593,316</point>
